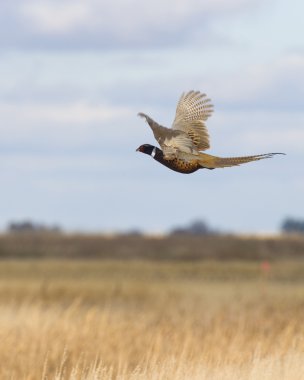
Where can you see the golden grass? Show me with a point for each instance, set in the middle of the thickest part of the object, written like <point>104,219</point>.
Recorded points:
<point>135,320</point>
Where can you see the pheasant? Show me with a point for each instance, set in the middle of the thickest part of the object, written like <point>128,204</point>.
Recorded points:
<point>182,145</point>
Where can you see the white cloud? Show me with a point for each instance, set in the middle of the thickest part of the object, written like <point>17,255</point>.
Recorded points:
<point>120,16</point>
<point>253,131</point>
<point>46,163</point>
<point>274,85</point>
<point>122,23</point>
<point>62,126</point>
<point>77,113</point>
<point>56,17</point>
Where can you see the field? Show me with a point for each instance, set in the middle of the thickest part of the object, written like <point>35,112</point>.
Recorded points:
<point>150,319</point>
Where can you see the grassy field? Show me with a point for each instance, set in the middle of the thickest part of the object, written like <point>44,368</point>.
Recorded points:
<point>73,319</point>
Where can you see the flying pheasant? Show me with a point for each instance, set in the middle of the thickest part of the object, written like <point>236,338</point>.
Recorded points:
<point>182,144</point>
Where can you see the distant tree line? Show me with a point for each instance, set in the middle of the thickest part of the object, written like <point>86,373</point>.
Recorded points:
<point>291,225</point>
<point>28,226</point>
<point>197,227</point>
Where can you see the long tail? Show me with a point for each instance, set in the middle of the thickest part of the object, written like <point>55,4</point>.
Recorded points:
<point>212,162</point>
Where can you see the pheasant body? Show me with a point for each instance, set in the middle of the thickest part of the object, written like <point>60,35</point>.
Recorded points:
<point>189,163</point>
<point>182,145</point>
<point>178,165</point>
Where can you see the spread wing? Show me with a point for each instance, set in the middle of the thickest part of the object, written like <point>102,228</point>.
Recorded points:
<point>171,141</point>
<point>192,110</point>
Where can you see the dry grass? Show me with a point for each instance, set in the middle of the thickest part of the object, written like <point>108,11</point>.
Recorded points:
<point>142,320</point>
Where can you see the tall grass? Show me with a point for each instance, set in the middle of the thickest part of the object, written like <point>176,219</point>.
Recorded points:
<point>144,320</point>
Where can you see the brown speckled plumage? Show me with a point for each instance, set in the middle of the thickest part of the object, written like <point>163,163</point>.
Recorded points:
<point>182,145</point>
<point>177,164</point>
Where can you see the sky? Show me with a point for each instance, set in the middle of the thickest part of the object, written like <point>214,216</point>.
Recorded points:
<point>74,75</point>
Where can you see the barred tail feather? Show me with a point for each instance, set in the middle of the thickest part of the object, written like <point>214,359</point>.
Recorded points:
<point>212,162</point>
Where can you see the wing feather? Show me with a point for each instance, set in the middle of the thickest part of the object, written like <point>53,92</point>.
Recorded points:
<point>192,110</point>
<point>171,141</point>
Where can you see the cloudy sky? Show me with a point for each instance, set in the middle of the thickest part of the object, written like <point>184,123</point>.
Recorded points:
<point>74,74</point>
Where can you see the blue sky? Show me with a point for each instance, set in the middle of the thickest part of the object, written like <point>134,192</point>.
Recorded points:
<point>74,75</point>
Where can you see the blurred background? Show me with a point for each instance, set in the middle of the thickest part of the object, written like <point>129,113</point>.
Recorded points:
<point>74,75</point>
<point>111,265</point>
